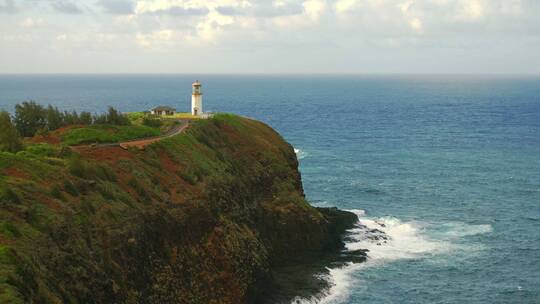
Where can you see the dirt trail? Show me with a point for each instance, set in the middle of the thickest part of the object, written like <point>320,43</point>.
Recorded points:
<point>141,143</point>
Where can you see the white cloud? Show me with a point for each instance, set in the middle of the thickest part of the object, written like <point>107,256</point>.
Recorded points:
<point>291,28</point>
<point>155,39</point>
<point>343,6</point>
<point>211,27</point>
<point>314,8</point>
<point>151,6</point>
<point>472,10</point>
<point>32,23</point>
<point>416,24</point>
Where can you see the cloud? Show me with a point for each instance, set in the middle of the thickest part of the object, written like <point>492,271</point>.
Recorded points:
<point>7,6</point>
<point>416,24</point>
<point>32,23</point>
<point>262,9</point>
<point>314,9</point>
<point>473,9</point>
<point>156,38</point>
<point>67,7</point>
<point>343,6</point>
<point>296,31</point>
<point>180,11</point>
<point>117,7</point>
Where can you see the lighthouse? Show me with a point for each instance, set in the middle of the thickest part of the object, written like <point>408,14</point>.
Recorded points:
<point>196,99</point>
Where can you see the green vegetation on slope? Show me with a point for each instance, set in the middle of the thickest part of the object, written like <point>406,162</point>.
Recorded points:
<point>106,134</point>
<point>197,218</point>
<point>10,140</point>
<point>31,118</point>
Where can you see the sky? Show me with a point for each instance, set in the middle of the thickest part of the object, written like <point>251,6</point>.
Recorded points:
<point>270,37</point>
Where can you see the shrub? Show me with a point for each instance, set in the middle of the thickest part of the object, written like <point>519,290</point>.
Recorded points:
<point>107,191</point>
<point>112,117</point>
<point>29,117</point>
<point>133,183</point>
<point>78,167</point>
<point>70,188</point>
<point>71,118</point>
<point>106,173</point>
<point>86,118</point>
<point>9,137</point>
<point>55,119</point>
<point>56,192</point>
<point>42,132</point>
<point>87,170</point>
<point>10,230</point>
<point>7,195</point>
<point>189,176</point>
<point>45,150</point>
<point>152,122</point>
<point>87,206</point>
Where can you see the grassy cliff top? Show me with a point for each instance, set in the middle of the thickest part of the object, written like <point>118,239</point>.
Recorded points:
<point>215,205</point>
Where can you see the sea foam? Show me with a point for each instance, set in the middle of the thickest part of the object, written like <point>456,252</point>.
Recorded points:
<point>390,239</point>
<point>300,153</point>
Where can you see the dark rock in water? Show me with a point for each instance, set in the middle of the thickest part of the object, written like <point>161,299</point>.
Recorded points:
<point>359,252</point>
<point>306,276</point>
<point>356,256</point>
<point>377,237</point>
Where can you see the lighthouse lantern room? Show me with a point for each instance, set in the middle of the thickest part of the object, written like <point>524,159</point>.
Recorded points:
<point>196,99</point>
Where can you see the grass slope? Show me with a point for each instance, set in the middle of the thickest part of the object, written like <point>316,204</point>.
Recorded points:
<point>196,218</point>
<point>107,134</point>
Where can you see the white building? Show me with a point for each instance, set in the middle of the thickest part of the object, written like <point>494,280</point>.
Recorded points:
<point>196,99</point>
<point>163,111</point>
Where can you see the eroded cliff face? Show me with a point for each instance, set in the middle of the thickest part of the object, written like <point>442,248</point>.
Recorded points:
<point>202,217</point>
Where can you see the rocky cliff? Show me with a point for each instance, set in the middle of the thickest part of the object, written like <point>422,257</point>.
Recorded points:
<point>207,216</point>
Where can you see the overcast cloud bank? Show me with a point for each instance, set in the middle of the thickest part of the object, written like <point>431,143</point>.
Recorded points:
<point>283,36</point>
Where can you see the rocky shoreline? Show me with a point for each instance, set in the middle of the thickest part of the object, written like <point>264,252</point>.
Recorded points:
<point>306,275</point>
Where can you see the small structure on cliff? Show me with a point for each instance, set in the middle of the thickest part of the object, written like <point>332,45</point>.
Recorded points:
<point>163,111</point>
<point>196,99</point>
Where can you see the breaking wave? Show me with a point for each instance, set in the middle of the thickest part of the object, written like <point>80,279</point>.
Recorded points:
<point>389,239</point>
<point>300,154</point>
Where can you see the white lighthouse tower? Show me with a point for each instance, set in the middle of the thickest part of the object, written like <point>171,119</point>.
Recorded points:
<point>196,99</point>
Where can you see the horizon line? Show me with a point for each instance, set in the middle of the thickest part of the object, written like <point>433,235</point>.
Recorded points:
<point>265,74</point>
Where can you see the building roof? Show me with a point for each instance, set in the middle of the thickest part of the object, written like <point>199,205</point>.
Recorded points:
<point>163,108</point>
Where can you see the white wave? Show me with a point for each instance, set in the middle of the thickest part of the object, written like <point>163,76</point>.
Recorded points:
<point>339,291</point>
<point>322,204</point>
<point>459,230</point>
<point>389,239</point>
<point>405,240</point>
<point>300,154</point>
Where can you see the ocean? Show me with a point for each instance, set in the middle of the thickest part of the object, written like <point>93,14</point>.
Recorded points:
<point>447,168</point>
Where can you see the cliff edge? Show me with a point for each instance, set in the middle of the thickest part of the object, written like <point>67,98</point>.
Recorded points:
<point>207,216</point>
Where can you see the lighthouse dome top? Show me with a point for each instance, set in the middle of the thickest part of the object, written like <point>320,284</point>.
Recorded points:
<point>197,83</point>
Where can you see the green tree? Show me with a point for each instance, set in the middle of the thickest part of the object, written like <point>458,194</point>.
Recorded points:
<point>9,137</point>
<point>55,118</point>
<point>71,118</point>
<point>29,117</point>
<point>85,118</point>
<point>114,117</point>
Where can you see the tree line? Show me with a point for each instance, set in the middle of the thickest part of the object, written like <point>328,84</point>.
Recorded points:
<point>31,118</point>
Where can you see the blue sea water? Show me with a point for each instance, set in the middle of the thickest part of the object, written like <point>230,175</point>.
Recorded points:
<point>448,167</point>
